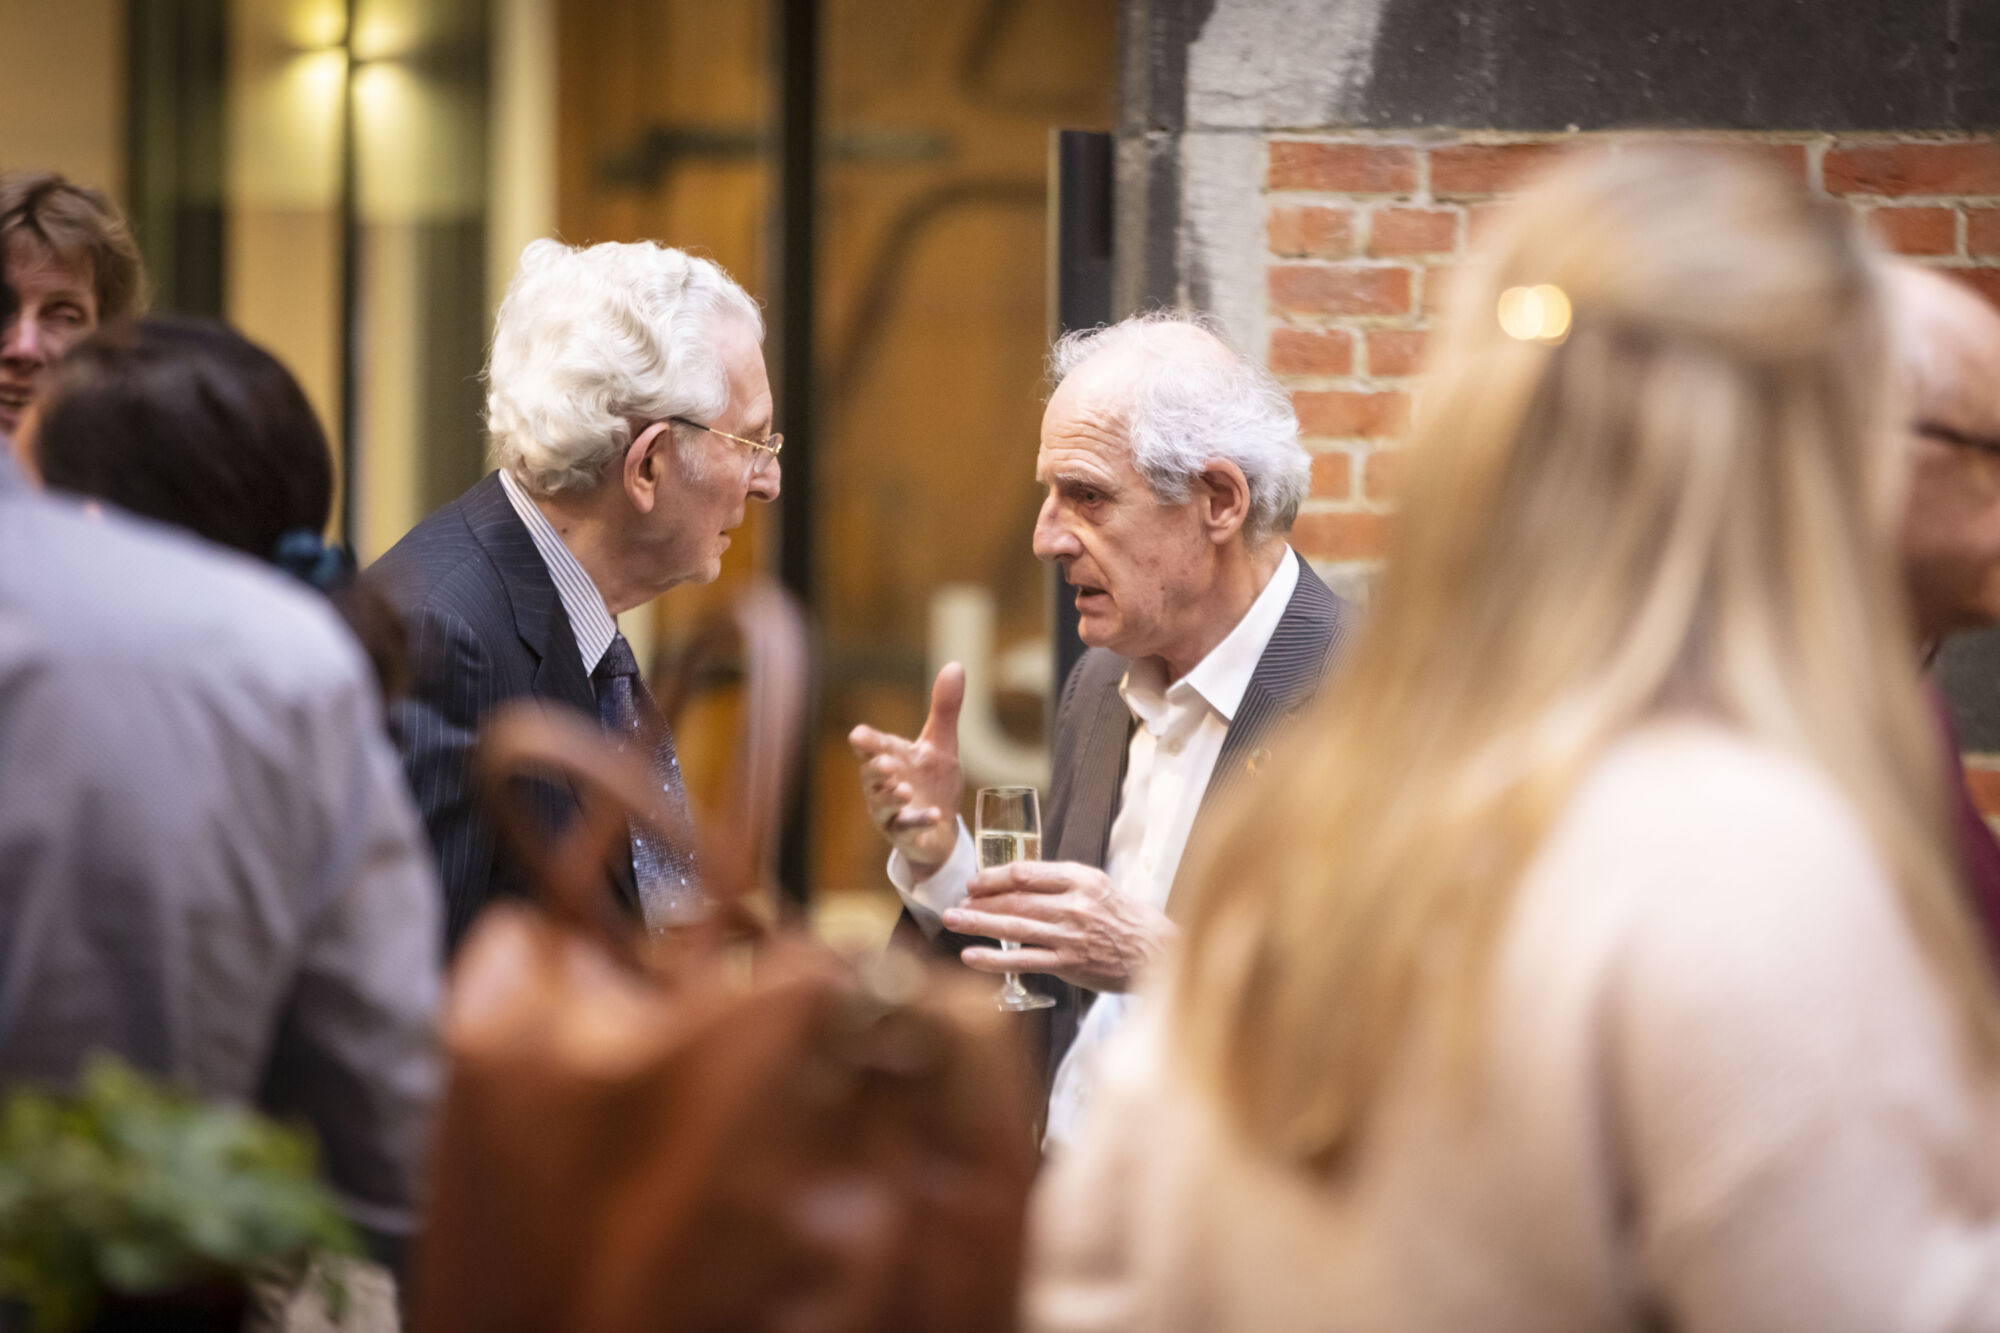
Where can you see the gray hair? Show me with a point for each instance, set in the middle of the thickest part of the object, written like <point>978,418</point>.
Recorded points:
<point>589,341</point>
<point>1193,403</point>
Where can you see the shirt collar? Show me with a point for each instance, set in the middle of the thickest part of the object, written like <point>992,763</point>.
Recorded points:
<point>1221,678</point>
<point>589,619</point>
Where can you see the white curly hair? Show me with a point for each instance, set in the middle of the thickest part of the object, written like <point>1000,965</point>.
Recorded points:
<point>591,340</point>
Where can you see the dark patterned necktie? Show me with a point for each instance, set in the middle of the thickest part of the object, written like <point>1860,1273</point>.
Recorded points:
<point>668,889</point>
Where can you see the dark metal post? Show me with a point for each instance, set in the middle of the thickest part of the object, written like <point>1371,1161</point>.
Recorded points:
<point>798,189</point>
<point>177,53</point>
<point>1080,192</point>
<point>350,285</point>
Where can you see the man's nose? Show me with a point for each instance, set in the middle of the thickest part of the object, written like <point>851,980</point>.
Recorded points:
<point>767,480</point>
<point>1053,539</point>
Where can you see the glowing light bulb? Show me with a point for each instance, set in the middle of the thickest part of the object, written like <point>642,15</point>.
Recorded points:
<point>1540,313</point>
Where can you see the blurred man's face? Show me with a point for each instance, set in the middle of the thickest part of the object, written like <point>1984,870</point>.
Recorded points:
<point>1951,529</point>
<point>56,306</point>
<point>1136,564</point>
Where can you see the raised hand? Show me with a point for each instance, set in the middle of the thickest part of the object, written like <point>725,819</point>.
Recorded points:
<point>913,788</point>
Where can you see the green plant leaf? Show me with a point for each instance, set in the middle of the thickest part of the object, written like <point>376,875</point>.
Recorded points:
<point>129,1185</point>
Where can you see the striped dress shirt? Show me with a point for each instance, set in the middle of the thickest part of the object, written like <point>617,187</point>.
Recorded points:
<point>589,619</point>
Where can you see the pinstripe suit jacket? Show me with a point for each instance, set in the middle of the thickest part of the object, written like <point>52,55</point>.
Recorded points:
<point>486,625</point>
<point>1093,731</point>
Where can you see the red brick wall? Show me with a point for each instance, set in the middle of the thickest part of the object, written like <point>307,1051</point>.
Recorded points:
<point>1361,230</point>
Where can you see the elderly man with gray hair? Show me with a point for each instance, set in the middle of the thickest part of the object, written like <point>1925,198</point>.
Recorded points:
<point>1174,471</point>
<point>630,416</point>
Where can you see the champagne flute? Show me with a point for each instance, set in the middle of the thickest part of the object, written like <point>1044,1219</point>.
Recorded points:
<point>1008,828</point>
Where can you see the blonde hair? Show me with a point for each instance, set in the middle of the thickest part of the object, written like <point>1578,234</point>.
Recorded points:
<point>1687,502</point>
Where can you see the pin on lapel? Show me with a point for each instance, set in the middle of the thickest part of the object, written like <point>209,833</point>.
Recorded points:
<point>1255,763</point>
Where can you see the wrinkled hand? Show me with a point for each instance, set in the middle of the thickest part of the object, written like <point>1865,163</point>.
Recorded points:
<point>913,788</point>
<point>1068,919</point>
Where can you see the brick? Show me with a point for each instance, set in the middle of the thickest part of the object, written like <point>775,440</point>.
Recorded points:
<point>1982,231</point>
<point>1347,414</point>
<point>1437,288</point>
<point>1916,231</point>
<point>1413,231</point>
<point>1395,351</point>
<point>1378,474</point>
<point>1340,289</point>
<point>1913,168</point>
<point>1312,352</point>
<point>1322,233</point>
<point>1333,475</point>
<point>1341,536</point>
<point>1486,168</point>
<point>1349,168</point>
<point>1985,281</point>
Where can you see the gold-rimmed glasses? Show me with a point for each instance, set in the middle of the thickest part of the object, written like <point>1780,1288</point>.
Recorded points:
<point>763,452</point>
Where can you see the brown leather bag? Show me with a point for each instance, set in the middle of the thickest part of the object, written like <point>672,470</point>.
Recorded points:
<point>728,1128</point>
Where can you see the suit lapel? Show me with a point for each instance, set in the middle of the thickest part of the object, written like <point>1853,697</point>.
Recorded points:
<point>541,623</point>
<point>1100,758</point>
<point>539,617</point>
<point>1305,641</point>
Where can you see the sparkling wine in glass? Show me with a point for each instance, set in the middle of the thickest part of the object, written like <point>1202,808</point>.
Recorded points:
<point>1008,828</point>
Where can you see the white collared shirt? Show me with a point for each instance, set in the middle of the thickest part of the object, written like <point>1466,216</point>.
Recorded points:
<point>589,619</point>
<point>1168,766</point>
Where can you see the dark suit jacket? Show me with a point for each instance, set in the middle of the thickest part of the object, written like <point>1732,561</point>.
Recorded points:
<point>1093,731</point>
<point>486,625</point>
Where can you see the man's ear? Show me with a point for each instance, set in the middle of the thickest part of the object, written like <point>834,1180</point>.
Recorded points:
<point>645,466</point>
<point>1223,494</point>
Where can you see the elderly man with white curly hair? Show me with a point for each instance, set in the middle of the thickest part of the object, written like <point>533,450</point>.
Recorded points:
<point>630,417</point>
<point>1174,471</point>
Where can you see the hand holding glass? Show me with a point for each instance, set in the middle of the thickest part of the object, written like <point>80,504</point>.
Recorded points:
<point>1007,828</point>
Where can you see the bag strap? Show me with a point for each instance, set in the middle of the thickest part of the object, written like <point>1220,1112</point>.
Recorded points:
<point>733,846</point>
<point>736,844</point>
<point>523,741</point>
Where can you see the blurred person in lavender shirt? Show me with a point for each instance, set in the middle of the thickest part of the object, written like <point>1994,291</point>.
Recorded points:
<point>209,864</point>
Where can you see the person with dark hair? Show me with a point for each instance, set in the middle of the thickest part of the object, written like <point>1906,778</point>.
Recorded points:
<point>188,422</point>
<point>70,259</point>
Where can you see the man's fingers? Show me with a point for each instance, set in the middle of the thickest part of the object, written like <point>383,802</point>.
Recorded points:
<point>947,697</point>
<point>1012,907</point>
<point>872,744</point>
<point>982,959</point>
<point>1002,926</point>
<point>1029,877</point>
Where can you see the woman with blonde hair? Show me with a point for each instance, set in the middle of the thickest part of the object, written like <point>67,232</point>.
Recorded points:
<point>1597,960</point>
